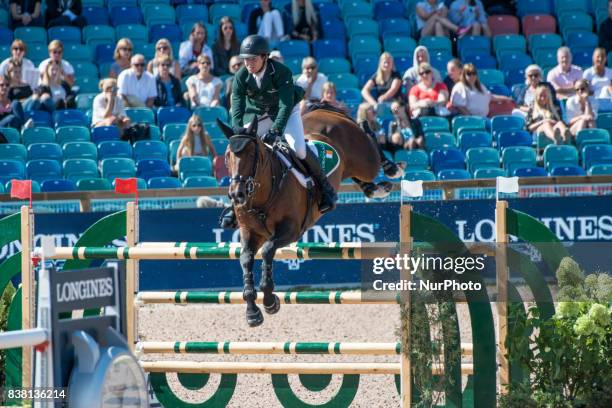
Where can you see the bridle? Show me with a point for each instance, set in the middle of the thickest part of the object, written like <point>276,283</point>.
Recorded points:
<point>250,181</point>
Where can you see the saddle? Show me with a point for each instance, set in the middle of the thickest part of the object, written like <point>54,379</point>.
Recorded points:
<point>292,163</point>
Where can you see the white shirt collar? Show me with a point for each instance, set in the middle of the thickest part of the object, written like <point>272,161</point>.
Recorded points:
<point>259,76</point>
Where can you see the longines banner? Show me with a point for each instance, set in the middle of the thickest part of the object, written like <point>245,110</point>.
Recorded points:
<point>573,219</point>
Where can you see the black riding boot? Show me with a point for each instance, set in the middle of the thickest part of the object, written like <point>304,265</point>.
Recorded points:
<point>228,218</point>
<point>328,194</point>
<point>388,166</point>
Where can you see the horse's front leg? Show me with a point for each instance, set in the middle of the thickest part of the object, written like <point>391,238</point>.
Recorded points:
<point>254,316</point>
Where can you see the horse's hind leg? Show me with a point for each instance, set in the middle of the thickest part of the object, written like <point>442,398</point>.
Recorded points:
<point>374,190</point>
<point>247,259</point>
<point>390,168</point>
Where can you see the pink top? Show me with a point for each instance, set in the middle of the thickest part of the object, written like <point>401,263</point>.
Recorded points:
<point>564,80</point>
<point>431,94</point>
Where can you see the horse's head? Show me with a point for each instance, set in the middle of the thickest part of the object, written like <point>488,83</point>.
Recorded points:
<point>241,160</point>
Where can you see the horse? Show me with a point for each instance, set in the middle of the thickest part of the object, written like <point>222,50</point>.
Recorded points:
<point>272,209</point>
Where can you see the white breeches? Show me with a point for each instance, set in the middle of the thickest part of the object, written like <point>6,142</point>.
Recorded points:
<point>294,131</point>
<point>271,26</point>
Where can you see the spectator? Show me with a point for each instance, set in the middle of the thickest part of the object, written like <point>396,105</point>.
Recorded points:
<point>168,86</point>
<point>432,19</point>
<point>599,76</point>
<point>581,109</point>
<point>544,117</point>
<point>470,97</point>
<point>56,51</point>
<point>454,69</point>
<point>54,92</point>
<point>18,90</point>
<point>305,21</point>
<point>471,15</point>
<point>605,30</point>
<point>367,113</point>
<point>108,108</point>
<point>204,89</point>
<point>137,87</point>
<point>226,46</point>
<point>163,50</point>
<point>328,97</point>
<point>267,21</point>
<point>533,78</point>
<point>234,65</point>
<point>400,134</point>
<point>191,49</point>
<point>195,141</point>
<point>64,13</point>
<point>28,70</point>
<point>311,80</point>
<point>563,76</point>
<point>385,85</point>
<point>26,13</point>
<point>411,76</point>
<point>11,112</point>
<point>606,92</point>
<point>122,57</point>
<point>429,96</point>
<point>277,56</point>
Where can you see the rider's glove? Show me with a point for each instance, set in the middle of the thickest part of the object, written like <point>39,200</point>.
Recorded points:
<point>271,136</point>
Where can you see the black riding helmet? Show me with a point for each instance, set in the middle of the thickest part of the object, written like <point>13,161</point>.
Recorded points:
<point>254,45</point>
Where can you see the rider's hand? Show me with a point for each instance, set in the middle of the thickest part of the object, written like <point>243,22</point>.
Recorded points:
<point>271,136</point>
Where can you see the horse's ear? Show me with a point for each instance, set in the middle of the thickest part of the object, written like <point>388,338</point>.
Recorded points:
<point>252,129</point>
<point>226,130</point>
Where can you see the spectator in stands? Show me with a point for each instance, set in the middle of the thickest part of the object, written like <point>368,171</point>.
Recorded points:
<point>470,97</point>
<point>108,108</point>
<point>54,92</point>
<point>311,80</point>
<point>411,76</point>
<point>26,13</point>
<point>267,21</point>
<point>385,85</point>
<point>234,65</point>
<point>432,19</point>
<point>563,76</point>
<point>168,86</point>
<point>136,86</point>
<point>544,117</point>
<point>204,88</point>
<point>28,70</point>
<point>328,97</point>
<point>429,96</point>
<point>19,89</point>
<point>11,112</point>
<point>400,134</point>
<point>606,92</point>
<point>191,49</point>
<point>599,76</point>
<point>56,51</point>
<point>277,56</point>
<point>122,56</point>
<point>305,21</point>
<point>64,13</point>
<point>195,141</point>
<point>454,69</point>
<point>581,109</point>
<point>526,96</point>
<point>226,46</point>
<point>366,117</point>
<point>470,14</point>
<point>163,50</point>
<point>605,30</point>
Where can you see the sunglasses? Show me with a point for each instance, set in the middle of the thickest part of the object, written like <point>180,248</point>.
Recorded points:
<point>197,125</point>
<point>165,65</point>
<point>311,67</point>
<point>424,72</point>
<point>470,74</point>
<point>4,85</point>
<point>139,64</point>
<point>162,47</point>
<point>18,49</point>
<point>536,75</point>
<point>57,51</point>
<point>125,49</point>
<point>109,89</point>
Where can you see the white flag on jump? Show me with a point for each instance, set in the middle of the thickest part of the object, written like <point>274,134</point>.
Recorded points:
<point>412,188</point>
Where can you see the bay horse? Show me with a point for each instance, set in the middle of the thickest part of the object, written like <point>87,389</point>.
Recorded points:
<point>272,209</point>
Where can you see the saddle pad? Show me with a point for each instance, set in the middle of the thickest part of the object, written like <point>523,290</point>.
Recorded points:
<point>328,160</point>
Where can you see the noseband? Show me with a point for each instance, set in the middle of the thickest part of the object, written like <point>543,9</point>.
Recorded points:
<point>236,146</point>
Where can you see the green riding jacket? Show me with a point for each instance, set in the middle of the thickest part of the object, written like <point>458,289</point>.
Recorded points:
<point>277,96</point>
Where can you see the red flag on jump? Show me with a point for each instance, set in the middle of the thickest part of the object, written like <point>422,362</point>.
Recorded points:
<point>127,186</point>
<point>22,189</point>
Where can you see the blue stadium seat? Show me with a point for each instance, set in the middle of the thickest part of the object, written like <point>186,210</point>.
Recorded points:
<point>84,101</point>
<point>219,10</point>
<point>95,15</point>
<point>66,34</point>
<point>93,184</point>
<point>474,138</point>
<point>399,44</point>
<point>473,44</point>
<point>114,149</point>
<point>40,118</point>
<point>190,13</point>
<point>173,131</point>
<point>220,146</point>
<point>200,182</point>
<point>489,172</point>
<point>388,9</point>
<point>414,175</point>
<point>329,48</point>
<point>150,149</point>
<point>158,14</point>
<point>118,168</point>
<point>592,136</point>
<point>212,113</point>
<point>294,48</point>
<point>85,67</point>
<point>140,115</point>
<point>518,156</point>
<point>344,80</point>
<point>415,159</point>
<point>439,140</point>
<point>394,26</point>
<point>581,39</point>
<point>568,171</point>
<point>434,124</point>
<point>50,151</point>
<point>65,134</point>
<point>150,168</point>
<point>582,57</point>
<point>364,46</point>
<point>6,36</point>
<point>509,43</point>
<point>104,133</point>
<point>512,60</point>
<point>69,117</point>
<point>333,29</point>
<point>530,172</point>
<point>454,174</point>
<point>464,122</point>
<point>327,10</point>
<point>119,3</point>
<point>80,150</point>
<point>349,95</point>
<point>481,61</point>
<point>449,158</point>
<point>437,44</point>
<point>358,26</point>
<point>57,185</point>
<point>172,115</point>
<point>163,182</point>
<point>529,7</point>
<point>38,135</point>
<point>13,151</point>
<point>76,169</point>
<point>138,33</point>
<point>600,170</point>
<point>11,169</point>
<point>41,170</point>
<point>171,32</point>
<point>11,134</point>
<point>194,166</point>
<point>559,156</point>
<point>98,34</point>
<point>544,41</point>
<point>604,121</point>
<point>596,154</point>
<point>482,157</point>
<point>509,138</point>
<point>334,66</point>
<point>506,122</point>
<point>32,35</point>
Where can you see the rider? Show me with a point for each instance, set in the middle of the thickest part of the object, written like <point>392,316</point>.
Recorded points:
<point>264,88</point>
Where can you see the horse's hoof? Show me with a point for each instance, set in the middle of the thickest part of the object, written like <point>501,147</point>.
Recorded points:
<point>393,170</point>
<point>254,318</point>
<point>273,308</point>
<point>381,191</point>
